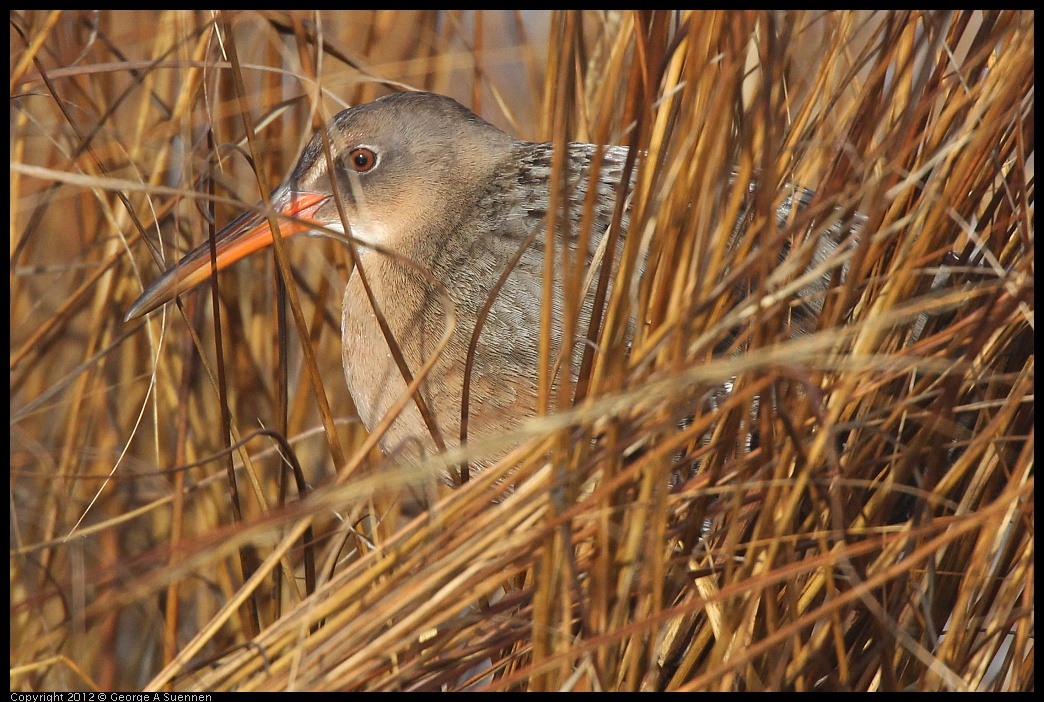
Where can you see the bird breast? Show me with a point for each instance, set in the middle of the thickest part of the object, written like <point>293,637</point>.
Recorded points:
<point>463,271</point>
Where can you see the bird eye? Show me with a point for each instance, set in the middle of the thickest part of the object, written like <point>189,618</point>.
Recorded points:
<point>362,160</point>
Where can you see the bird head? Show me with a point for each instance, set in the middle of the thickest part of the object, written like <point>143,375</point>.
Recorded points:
<point>403,166</point>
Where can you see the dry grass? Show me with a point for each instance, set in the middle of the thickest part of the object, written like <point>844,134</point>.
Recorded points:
<point>878,534</point>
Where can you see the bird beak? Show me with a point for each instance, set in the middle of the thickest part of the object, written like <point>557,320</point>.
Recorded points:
<point>248,233</point>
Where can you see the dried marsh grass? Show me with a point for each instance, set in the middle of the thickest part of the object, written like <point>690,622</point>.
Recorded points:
<point>718,503</point>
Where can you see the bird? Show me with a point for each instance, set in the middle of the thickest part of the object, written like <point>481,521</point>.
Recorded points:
<point>429,186</point>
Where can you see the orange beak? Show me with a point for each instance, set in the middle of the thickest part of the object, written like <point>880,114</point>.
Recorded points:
<point>245,235</point>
